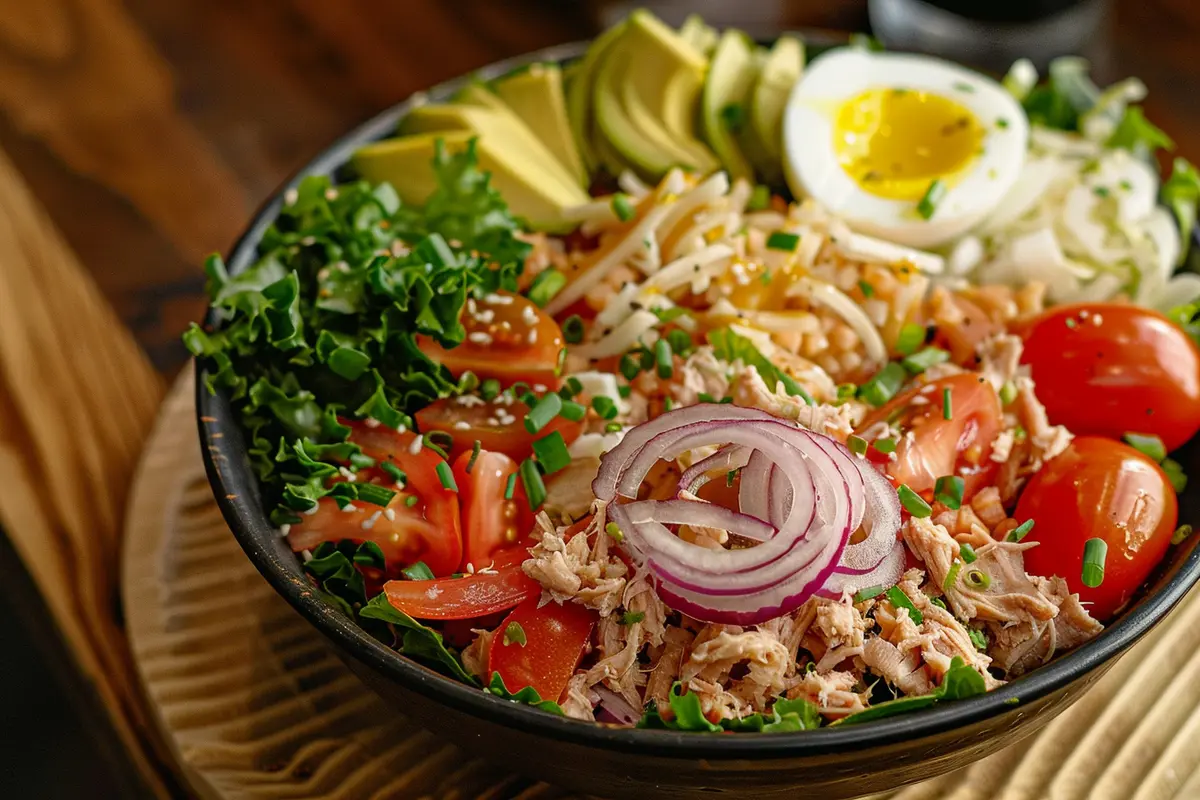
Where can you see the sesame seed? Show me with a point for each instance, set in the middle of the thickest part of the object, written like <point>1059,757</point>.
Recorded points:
<point>532,337</point>
<point>349,508</point>
<point>492,421</point>
<point>529,315</point>
<point>486,316</point>
<point>497,299</point>
<point>401,429</point>
<point>342,266</point>
<point>470,568</point>
<point>331,194</point>
<point>539,387</point>
<point>306,555</point>
<point>479,337</point>
<point>400,249</point>
<point>285,529</point>
<point>308,241</point>
<point>390,513</point>
<point>369,522</point>
<point>1097,319</point>
<point>291,196</point>
<point>462,425</point>
<point>416,445</point>
<point>312,510</point>
<point>371,422</point>
<point>471,305</point>
<point>323,274</point>
<point>347,474</point>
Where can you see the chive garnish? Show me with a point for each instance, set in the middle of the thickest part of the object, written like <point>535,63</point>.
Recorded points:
<point>1095,552</point>
<point>411,500</point>
<point>913,502</point>
<point>867,594</point>
<point>867,289</point>
<point>1008,393</point>
<point>857,445</point>
<point>1150,446</point>
<point>548,283</point>
<point>431,442</point>
<point>924,359</point>
<point>514,634</point>
<point>625,391</point>
<point>535,488</point>
<point>375,495</point>
<point>551,452</point>
<point>571,387</point>
<point>419,571</point>
<point>967,552</point>
<point>1020,532</point>
<point>510,487</point>
<point>542,412</point>
<point>630,366</point>
<point>911,337</point>
<point>632,617</point>
<point>951,576</point>
<point>781,240</point>
<point>622,207</point>
<point>613,530</point>
<point>604,406</point>
<point>883,385</point>
<point>446,476</point>
<point>947,404</point>
<point>760,198</point>
<point>845,391</point>
<point>933,196</point>
<point>978,638</point>
<point>886,445</point>
<point>392,470</point>
<point>573,411</point>
<point>977,579</point>
<point>663,359</point>
<point>475,448</point>
<point>901,600</point>
<point>948,490</point>
<point>613,427</point>
<point>572,329</point>
<point>489,390</point>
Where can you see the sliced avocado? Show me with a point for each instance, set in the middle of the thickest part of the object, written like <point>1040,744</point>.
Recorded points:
<point>579,99</point>
<point>723,107</point>
<point>698,33</point>
<point>646,94</point>
<point>782,68</point>
<point>503,130</point>
<point>406,163</point>
<point>536,96</point>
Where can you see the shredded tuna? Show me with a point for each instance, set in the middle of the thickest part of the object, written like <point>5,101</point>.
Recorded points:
<point>835,694</point>
<point>766,658</point>
<point>842,627</point>
<point>579,701</point>
<point>573,570</point>
<point>701,373</point>
<point>1021,647</point>
<point>666,669</point>
<point>1000,359</point>
<point>475,655</point>
<point>750,390</point>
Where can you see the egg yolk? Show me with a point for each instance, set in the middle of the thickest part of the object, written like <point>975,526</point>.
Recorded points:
<point>895,142</point>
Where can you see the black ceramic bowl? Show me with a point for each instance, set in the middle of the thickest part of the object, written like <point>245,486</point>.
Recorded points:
<point>829,763</point>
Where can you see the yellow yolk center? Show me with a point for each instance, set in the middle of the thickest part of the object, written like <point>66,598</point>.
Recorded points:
<point>895,142</point>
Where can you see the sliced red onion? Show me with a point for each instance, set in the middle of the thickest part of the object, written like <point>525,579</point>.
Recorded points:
<point>886,574</point>
<point>802,497</point>
<point>614,708</point>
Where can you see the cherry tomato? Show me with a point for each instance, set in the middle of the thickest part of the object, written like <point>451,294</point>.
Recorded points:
<point>555,637</point>
<point>961,326</point>
<point>498,426</point>
<point>502,586</point>
<point>1099,488</point>
<point>489,521</point>
<point>508,338</point>
<point>425,529</point>
<point>960,445</point>
<point>1113,369</point>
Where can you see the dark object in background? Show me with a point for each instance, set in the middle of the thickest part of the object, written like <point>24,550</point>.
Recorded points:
<point>989,33</point>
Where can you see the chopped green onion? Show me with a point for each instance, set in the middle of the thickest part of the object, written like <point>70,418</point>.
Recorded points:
<point>681,343</point>
<point>1001,123</point>
<point>663,359</point>
<point>573,411</point>
<point>625,391</point>
<point>846,391</point>
<point>475,449</point>
<point>947,404</point>
<point>911,337</point>
<point>613,530</point>
<point>411,500</point>
<point>535,488</point>
<point>613,427</point>
<point>632,617</point>
<point>867,289</point>
<point>551,452</point>
<point>857,445</point>
<point>866,594</point>
<point>964,87</point>
<point>901,600</point>
<point>572,329</point>
<point>948,490</point>
<point>979,639</point>
<point>1175,474</point>
<point>886,445</point>
<point>1101,191</point>
<point>373,494</point>
<point>913,502</point>
<point>605,406</point>
<point>1181,534</point>
<point>514,634</point>
<point>489,390</point>
<point>542,412</point>
<point>939,602</point>
<point>630,367</point>
<point>883,385</point>
<point>446,476</point>
<point>951,576</point>
<point>668,403</point>
<point>1150,446</point>
<point>734,116</point>
<point>419,571</point>
<point>1020,532</point>
<point>977,579</point>
<point>429,441</point>
<point>1139,135</point>
<point>571,387</point>
<point>967,552</point>
<point>1008,393</point>
<point>392,470</point>
<point>924,359</point>
<point>510,487</point>
<point>1095,552</point>
<point>760,198</point>
<point>705,397</point>
<point>781,240</point>
<point>933,195</point>
<point>623,208</point>
<point>1180,193</point>
<point>548,283</point>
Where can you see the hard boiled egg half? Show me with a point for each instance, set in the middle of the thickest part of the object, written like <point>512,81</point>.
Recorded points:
<point>906,147</point>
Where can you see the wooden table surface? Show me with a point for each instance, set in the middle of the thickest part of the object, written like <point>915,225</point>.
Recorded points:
<point>151,129</point>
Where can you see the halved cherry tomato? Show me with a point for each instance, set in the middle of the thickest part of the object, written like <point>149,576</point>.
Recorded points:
<point>426,529</point>
<point>489,521</point>
<point>1099,488</point>
<point>555,637</point>
<point>502,586</point>
<point>1112,369</point>
<point>498,426</point>
<point>508,338</point>
<point>960,445</point>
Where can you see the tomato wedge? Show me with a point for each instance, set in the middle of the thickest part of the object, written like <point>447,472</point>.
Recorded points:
<point>490,522</point>
<point>555,637</point>
<point>960,445</point>
<point>498,426</point>
<point>499,588</point>
<point>508,338</point>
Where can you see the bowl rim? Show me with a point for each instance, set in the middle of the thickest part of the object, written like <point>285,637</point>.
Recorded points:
<point>252,529</point>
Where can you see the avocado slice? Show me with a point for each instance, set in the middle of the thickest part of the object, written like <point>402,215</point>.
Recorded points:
<point>579,102</point>
<point>503,130</point>
<point>724,112</point>
<point>782,68</point>
<point>646,94</point>
<point>536,96</point>
<point>698,33</point>
<point>406,163</point>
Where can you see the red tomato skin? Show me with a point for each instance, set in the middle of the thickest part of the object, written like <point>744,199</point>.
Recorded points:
<point>502,587</point>
<point>555,638</point>
<point>489,521</point>
<point>1099,488</point>
<point>486,425</point>
<point>1109,369</point>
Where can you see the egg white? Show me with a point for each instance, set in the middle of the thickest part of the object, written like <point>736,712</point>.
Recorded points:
<point>811,162</point>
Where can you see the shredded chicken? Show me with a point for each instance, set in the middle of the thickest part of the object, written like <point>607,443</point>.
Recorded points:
<point>475,655</point>
<point>573,570</point>
<point>842,627</point>
<point>1040,441</point>
<point>750,390</point>
<point>580,701</point>
<point>666,669</point>
<point>1000,359</point>
<point>766,658</point>
<point>701,373</point>
<point>1021,647</point>
<point>835,694</point>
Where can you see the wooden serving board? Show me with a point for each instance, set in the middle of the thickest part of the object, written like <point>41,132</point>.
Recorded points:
<point>253,703</point>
